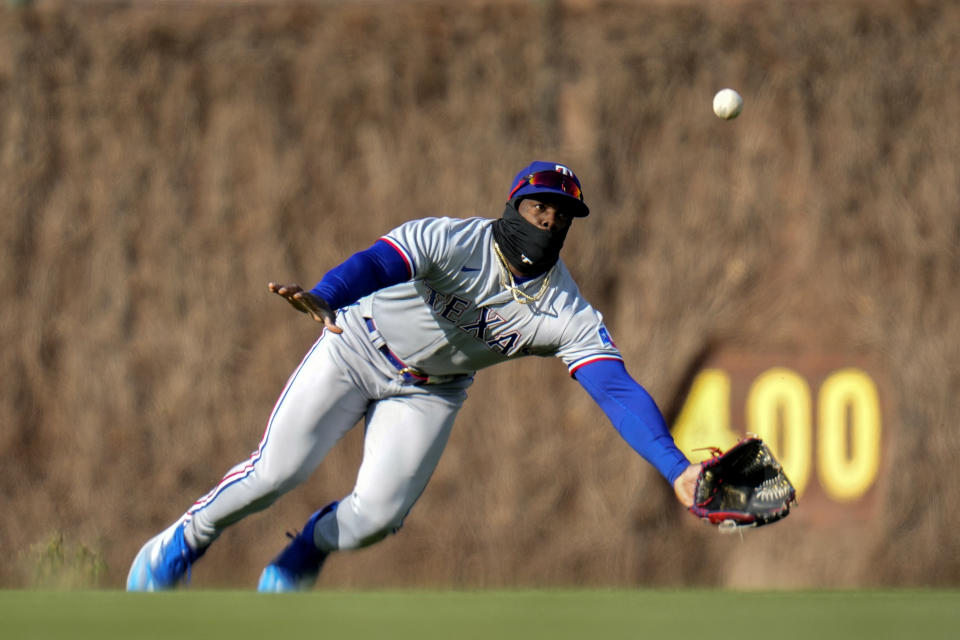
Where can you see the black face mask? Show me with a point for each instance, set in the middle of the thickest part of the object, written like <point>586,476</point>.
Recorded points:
<point>530,249</point>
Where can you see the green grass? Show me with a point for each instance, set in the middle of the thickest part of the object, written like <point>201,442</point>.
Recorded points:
<point>595,615</point>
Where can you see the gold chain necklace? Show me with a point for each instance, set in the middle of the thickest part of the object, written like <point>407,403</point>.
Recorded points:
<point>506,279</point>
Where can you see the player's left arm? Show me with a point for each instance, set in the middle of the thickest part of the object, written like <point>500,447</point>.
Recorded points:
<point>379,267</point>
<point>364,272</point>
<point>639,421</point>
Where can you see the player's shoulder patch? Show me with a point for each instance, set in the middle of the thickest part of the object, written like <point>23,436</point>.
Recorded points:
<point>605,337</point>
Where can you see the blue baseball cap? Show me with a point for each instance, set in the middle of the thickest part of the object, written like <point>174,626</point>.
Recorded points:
<point>549,177</point>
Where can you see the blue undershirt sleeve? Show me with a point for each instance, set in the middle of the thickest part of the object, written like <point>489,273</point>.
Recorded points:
<point>634,414</point>
<point>361,274</point>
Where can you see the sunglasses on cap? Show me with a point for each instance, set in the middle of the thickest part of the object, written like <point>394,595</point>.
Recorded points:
<point>551,180</point>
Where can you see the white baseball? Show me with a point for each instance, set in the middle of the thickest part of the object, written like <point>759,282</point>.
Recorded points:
<point>727,104</point>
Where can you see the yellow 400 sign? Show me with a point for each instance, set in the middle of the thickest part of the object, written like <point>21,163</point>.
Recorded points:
<point>778,406</point>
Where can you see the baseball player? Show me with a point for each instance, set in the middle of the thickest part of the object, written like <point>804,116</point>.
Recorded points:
<point>406,325</point>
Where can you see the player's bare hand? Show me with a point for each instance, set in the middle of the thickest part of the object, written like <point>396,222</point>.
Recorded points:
<point>306,302</point>
<point>686,484</point>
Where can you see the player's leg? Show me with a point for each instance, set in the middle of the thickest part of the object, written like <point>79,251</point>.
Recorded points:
<point>405,437</point>
<point>317,406</point>
<point>404,441</point>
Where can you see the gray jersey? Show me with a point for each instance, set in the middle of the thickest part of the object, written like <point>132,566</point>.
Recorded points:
<point>455,316</point>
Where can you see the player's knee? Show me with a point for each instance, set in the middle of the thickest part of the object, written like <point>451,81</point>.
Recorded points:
<point>374,522</point>
<point>271,483</point>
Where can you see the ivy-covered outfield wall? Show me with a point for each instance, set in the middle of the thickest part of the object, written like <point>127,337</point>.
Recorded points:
<point>160,162</point>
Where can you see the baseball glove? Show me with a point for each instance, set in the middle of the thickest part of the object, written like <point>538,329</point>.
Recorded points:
<point>744,487</point>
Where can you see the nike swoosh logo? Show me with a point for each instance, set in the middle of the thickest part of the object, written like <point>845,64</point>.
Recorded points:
<point>470,269</point>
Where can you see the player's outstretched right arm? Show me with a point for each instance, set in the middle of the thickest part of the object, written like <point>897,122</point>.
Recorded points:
<point>638,419</point>
<point>685,485</point>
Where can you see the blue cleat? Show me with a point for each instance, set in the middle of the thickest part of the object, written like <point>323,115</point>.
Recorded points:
<point>163,561</point>
<point>298,565</point>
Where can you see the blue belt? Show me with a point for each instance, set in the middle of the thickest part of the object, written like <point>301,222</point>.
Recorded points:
<point>409,374</point>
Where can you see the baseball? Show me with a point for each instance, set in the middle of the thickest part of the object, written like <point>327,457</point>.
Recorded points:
<point>727,104</point>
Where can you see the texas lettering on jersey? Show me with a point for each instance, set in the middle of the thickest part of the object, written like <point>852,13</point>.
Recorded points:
<point>454,315</point>
<point>483,325</point>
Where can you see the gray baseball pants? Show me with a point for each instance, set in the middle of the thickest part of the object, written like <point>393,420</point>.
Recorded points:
<point>342,379</point>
